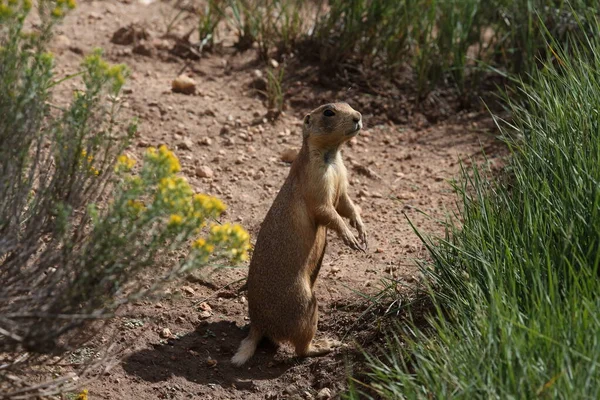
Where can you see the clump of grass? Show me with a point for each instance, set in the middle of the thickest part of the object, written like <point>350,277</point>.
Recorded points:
<point>80,220</point>
<point>516,287</point>
<point>209,18</point>
<point>270,24</point>
<point>274,92</point>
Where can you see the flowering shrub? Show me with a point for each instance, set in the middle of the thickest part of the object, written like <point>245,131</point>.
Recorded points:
<point>80,221</point>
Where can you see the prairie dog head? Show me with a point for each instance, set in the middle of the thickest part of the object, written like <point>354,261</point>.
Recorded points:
<point>331,124</point>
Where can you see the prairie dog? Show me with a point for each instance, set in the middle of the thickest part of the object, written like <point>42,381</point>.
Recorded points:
<point>291,243</point>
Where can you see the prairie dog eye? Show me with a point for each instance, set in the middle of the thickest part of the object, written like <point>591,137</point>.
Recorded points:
<point>328,113</point>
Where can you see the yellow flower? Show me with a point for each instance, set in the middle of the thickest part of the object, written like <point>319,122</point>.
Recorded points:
<point>57,12</point>
<point>89,159</point>
<point>5,11</point>
<point>83,395</point>
<point>172,160</point>
<point>175,220</point>
<point>202,245</point>
<point>71,4</point>
<point>208,205</point>
<point>234,237</point>
<point>117,73</point>
<point>135,206</point>
<point>164,158</point>
<point>124,163</point>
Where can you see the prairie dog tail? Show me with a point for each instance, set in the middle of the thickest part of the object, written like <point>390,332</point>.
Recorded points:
<point>247,348</point>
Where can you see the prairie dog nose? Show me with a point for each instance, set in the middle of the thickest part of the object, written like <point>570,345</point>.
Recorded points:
<point>357,117</point>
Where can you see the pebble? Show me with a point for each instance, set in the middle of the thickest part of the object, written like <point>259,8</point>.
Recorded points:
<point>289,155</point>
<point>185,144</point>
<point>184,84</point>
<point>204,171</point>
<point>290,389</point>
<point>204,315</point>
<point>165,333</point>
<point>323,394</point>
<point>205,141</point>
<point>211,362</point>
<point>259,175</point>
<point>363,193</point>
<point>187,289</point>
<point>205,306</point>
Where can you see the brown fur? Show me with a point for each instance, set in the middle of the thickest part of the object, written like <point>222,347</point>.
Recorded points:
<point>291,243</point>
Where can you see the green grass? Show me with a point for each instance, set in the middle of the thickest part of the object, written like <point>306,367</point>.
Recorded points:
<point>450,42</point>
<point>516,287</point>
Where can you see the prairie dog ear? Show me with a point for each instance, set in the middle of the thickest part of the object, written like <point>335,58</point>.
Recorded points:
<point>306,125</point>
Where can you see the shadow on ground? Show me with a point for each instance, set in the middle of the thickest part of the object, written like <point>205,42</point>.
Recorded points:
<point>203,357</point>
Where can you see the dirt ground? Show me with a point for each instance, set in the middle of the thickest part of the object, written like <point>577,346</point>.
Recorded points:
<point>397,171</point>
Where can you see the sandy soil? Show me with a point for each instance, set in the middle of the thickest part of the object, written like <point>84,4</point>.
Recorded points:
<point>398,171</point>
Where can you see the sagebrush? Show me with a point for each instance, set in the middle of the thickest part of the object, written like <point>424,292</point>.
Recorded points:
<point>80,220</point>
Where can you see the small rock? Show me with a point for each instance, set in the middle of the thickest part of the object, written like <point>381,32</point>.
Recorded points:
<point>161,44</point>
<point>165,333</point>
<point>271,395</point>
<point>406,196</point>
<point>376,195</point>
<point>183,84</point>
<point>259,175</point>
<point>204,314</point>
<point>205,306</point>
<point>205,141</point>
<point>363,193</point>
<point>185,144</point>
<point>289,155</point>
<point>379,250</point>
<point>323,394</point>
<point>143,48</point>
<point>274,63</point>
<point>204,171</point>
<point>243,300</point>
<point>189,290</point>
<point>290,389</point>
<point>129,35</point>
<point>229,141</point>
<point>211,362</point>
